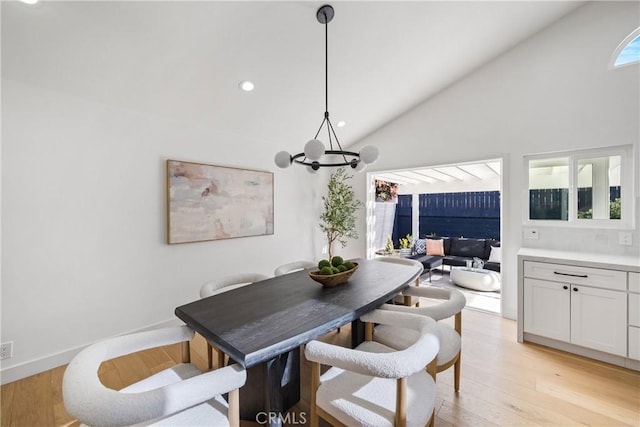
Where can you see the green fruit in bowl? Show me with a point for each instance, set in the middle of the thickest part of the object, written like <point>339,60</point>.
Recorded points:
<point>342,268</point>
<point>349,265</point>
<point>324,263</point>
<point>326,271</point>
<point>335,270</point>
<point>336,261</point>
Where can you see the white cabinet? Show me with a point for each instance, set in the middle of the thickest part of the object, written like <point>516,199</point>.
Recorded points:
<point>634,343</point>
<point>547,309</point>
<point>598,319</point>
<point>634,316</point>
<point>577,305</point>
<point>634,282</point>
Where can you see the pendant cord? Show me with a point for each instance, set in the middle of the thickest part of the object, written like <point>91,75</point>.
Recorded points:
<point>326,64</point>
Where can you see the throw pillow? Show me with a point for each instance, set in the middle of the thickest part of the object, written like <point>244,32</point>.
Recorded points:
<point>435,247</point>
<point>420,247</point>
<point>496,254</point>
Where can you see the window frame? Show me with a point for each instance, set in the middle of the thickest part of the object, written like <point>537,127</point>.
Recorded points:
<point>623,44</point>
<point>627,173</point>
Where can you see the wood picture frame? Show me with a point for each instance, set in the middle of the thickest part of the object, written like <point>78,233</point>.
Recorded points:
<point>210,202</point>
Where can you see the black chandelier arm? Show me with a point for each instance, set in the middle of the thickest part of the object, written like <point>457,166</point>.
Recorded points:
<point>326,117</point>
<point>330,126</point>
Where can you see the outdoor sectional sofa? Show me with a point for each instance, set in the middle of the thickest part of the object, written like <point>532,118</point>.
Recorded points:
<point>455,251</point>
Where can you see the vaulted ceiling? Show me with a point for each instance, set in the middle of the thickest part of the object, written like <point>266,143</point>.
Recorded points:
<point>184,60</point>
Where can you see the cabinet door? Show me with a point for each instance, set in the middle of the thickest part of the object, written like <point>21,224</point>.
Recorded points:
<point>547,309</point>
<point>634,343</point>
<point>599,319</point>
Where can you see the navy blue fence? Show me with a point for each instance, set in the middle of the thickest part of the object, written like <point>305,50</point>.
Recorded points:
<point>402,221</point>
<point>552,203</point>
<point>469,214</point>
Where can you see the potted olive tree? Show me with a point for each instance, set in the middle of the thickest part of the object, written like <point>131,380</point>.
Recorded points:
<point>340,205</point>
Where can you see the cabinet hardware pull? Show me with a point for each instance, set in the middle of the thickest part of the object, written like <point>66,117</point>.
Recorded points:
<point>565,287</point>
<point>584,276</point>
<point>575,289</point>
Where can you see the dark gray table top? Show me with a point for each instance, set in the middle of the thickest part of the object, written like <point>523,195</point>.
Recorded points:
<point>257,322</point>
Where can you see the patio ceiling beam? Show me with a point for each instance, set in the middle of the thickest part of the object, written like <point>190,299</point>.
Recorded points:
<point>428,177</point>
<point>467,172</point>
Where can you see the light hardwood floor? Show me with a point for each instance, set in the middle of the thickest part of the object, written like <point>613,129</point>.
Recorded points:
<point>503,383</point>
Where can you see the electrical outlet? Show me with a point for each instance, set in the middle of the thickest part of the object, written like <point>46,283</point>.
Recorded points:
<point>6,350</point>
<point>624,238</point>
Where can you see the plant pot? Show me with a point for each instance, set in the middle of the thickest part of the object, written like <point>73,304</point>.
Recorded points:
<point>405,252</point>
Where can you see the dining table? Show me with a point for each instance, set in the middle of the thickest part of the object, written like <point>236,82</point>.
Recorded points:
<point>261,326</point>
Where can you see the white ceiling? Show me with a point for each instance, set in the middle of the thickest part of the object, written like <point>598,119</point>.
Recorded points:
<point>184,60</point>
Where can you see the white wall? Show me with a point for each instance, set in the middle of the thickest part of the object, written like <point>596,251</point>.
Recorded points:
<point>553,92</point>
<point>84,222</point>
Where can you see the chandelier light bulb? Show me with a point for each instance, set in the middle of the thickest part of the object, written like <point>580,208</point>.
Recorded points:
<point>369,154</point>
<point>314,150</point>
<point>283,159</point>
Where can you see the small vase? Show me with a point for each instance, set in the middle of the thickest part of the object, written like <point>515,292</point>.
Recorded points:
<point>405,252</point>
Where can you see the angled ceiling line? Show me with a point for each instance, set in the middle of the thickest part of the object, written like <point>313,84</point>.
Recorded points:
<point>467,172</point>
<point>429,176</point>
<point>448,174</point>
<point>494,170</point>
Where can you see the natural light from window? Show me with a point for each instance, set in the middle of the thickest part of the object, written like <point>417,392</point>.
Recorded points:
<point>580,187</point>
<point>628,52</point>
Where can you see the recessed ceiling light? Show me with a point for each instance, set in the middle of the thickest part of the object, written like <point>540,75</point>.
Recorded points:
<point>341,124</point>
<point>29,1</point>
<point>246,85</point>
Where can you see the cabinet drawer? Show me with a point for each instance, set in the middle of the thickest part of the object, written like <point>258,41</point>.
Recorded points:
<point>634,309</point>
<point>598,277</point>
<point>634,343</point>
<point>634,282</point>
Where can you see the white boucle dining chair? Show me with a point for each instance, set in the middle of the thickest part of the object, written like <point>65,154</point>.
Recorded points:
<point>293,266</point>
<point>225,284</point>
<point>178,396</point>
<point>375,385</point>
<point>451,305</point>
<point>400,299</point>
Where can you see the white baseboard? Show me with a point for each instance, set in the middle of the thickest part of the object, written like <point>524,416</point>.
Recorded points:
<point>582,351</point>
<point>32,367</point>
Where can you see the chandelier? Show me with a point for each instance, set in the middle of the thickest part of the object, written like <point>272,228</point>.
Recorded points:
<point>315,154</point>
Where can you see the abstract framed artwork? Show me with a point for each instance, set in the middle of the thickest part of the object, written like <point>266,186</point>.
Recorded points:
<point>209,202</point>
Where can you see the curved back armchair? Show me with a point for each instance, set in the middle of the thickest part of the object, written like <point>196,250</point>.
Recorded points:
<point>451,304</point>
<point>225,284</point>
<point>404,299</point>
<point>174,396</point>
<point>374,384</point>
<point>293,266</point>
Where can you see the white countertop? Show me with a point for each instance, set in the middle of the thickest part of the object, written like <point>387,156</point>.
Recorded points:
<point>596,260</point>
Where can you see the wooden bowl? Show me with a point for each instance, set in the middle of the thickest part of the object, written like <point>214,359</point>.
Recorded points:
<point>331,280</point>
